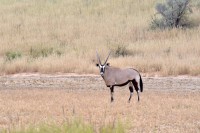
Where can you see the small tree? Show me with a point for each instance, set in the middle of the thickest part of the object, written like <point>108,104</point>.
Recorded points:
<point>173,14</point>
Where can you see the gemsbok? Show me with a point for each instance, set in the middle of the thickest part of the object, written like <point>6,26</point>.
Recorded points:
<point>120,77</point>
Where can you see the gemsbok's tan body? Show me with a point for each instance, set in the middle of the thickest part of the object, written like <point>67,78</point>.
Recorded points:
<point>119,77</point>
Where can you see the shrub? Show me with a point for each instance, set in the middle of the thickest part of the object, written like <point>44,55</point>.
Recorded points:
<point>121,50</point>
<point>12,55</point>
<point>173,14</point>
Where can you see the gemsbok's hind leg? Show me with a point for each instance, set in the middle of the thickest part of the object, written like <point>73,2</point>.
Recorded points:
<point>131,93</point>
<point>112,93</point>
<point>138,95</point>
<point>135,84</point>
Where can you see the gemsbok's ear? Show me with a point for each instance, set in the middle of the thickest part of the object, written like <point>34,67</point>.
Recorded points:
<point>97,65</point>
<point>108,64</point>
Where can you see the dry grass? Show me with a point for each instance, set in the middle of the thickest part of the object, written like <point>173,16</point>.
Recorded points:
<point>158,111</point>
<point>76,28</point>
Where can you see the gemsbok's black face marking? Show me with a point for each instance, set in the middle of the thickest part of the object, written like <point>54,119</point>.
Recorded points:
<point>114,76</point>
<point>102,68</point>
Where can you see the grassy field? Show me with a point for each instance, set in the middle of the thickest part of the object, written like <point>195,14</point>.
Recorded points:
<point>62,36</point>
<point>51,36</point>
<point>158,111</point>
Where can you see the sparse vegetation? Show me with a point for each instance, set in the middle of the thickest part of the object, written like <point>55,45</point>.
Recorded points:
<point>121,50</point>
<point>44,52</point>
<point>12,55</point>
<point>175,111</point>
<point>74,29</point>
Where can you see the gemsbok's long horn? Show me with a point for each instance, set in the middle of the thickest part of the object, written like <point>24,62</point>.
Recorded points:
<point>107,57</point>
<point>98,58</point>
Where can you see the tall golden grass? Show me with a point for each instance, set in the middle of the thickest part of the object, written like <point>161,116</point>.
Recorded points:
<point>77,28</point>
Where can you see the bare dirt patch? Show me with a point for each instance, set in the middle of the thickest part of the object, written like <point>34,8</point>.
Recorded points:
<point>168,104</point>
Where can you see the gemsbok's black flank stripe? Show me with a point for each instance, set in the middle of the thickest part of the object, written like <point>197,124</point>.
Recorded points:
<point>122,84</point>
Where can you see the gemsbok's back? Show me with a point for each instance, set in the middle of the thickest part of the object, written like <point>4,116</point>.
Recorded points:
<point>120,77</point>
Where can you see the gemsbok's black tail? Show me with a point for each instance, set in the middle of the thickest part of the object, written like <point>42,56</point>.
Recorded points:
<point>141,84</point>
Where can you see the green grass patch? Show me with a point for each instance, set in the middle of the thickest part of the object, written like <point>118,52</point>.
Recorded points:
<point>76,126</point>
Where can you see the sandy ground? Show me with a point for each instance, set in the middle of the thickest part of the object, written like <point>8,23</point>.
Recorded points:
<point>73,81</point>
<point>168,104</point>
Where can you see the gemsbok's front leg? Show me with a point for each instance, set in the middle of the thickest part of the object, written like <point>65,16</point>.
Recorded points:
<point>112,93</point>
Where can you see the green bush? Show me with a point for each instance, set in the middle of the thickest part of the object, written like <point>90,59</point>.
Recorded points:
<point>172,14</point>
